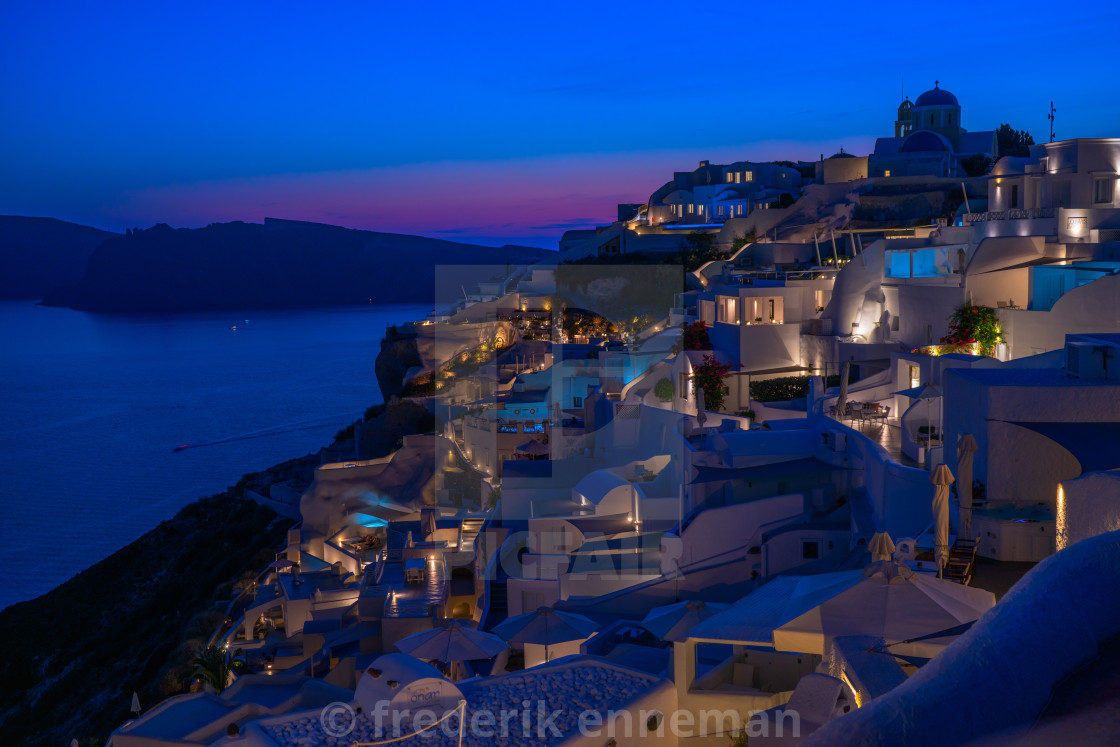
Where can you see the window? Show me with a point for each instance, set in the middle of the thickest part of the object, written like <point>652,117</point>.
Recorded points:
<point>886,172</point>
<point>729,175</point>
<point>684,388</point>
<point>740,209</point>
<point>810,550</point>
<point>577,402</point>
<point>738,177</point>
<point>1103,189</point>
<point>1014,202</point>
<point>691,208</point>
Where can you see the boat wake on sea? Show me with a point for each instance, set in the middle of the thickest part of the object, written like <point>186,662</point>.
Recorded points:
<point>276,430</point>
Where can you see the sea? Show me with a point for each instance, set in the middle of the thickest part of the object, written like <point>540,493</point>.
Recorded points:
<point>94,406</point>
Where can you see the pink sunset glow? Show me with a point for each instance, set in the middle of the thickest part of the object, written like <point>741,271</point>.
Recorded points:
<point>530,200</point>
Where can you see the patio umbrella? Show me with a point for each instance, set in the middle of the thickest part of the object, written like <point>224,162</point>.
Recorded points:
<point>533,448</point>
<point>674,620</point>
<point>886,600</point>
<point>942,478</point>
<point>842,400</point>
<point>546,627</point>
<point>453,641</point>
<point>135,708</point>
<point>701,406</point>
<point>966,447</point>
<point>881,546</point>
<point>282,563</point>
<point>929,393</point>
<point>428,521</point>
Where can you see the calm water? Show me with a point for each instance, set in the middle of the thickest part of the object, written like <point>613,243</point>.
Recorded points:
<point>92,406</point>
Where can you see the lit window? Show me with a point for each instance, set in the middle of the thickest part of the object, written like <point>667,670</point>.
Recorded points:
<point>691,208</point>
<point>1103,189</point>
<point>738,176</point>
<point>886,172</point>
<point>728,177</point>
<point>740,209</point>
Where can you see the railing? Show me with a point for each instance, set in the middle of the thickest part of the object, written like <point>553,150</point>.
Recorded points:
<point>1012,214</point>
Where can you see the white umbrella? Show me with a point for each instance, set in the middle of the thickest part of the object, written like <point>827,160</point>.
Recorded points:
<point>942,478</point>
<point>282,563</point>
<point>453,641</point>
<point>135,704</point>
<point>889,601</point>
<point>966,447</point>
<point>842,401</point>
<point>701,406</point>
<point>546,627</point>
<point>674,620</point>
<point>428,518</point>
<point>881,546</point>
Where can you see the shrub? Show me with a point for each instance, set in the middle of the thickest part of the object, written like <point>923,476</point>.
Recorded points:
<point>709,376</point>
<point>970,325</point>
<point>695,336</point>
<point>664,389</point>
<point>787,387</point>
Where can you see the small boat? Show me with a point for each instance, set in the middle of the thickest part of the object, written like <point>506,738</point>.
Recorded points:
<point>180,447</point>
<point>233,328</point>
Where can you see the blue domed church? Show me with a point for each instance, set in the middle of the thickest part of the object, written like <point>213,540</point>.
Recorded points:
<point>929,139</point>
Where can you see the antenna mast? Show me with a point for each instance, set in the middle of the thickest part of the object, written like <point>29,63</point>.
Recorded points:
<point>1050,116</point>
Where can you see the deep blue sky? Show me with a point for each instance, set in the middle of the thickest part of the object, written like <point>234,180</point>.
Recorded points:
<point>493,122</point>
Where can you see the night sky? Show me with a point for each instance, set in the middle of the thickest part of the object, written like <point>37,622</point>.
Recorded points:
<point>493,123</point>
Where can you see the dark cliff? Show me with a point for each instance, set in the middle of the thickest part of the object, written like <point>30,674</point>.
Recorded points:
<point>38,255</point>
<point>278,264</point>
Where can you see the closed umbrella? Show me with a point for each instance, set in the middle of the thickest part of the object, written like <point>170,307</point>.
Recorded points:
<point>842,401</point>
<point>546,627</point>
<point>701,406</point>
<point>965,449</point>
<point>135,708</point>
<point>942,478</point>
<point>453,641</point>
<point>428,518</point>
<point>881,546</point>
<point>674,620</point>
<point>282,563</point>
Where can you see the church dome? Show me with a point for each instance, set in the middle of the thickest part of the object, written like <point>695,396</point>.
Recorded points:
<point>937,97</point>
<point>924,141</point>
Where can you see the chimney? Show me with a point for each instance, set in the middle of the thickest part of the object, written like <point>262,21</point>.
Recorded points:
<point>703,164</point>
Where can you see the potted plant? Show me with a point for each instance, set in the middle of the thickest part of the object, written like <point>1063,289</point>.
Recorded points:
<point>664,389</point>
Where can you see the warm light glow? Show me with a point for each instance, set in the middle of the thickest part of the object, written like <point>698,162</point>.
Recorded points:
<point>1061,535</point>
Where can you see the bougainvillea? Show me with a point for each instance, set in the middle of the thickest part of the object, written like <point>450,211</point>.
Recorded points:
<point>695,336</point>
<point>971,326</point>
<point>709,376</point>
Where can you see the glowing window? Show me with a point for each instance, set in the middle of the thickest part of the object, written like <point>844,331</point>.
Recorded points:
<point>886,172</point>
<point>748,176</point>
